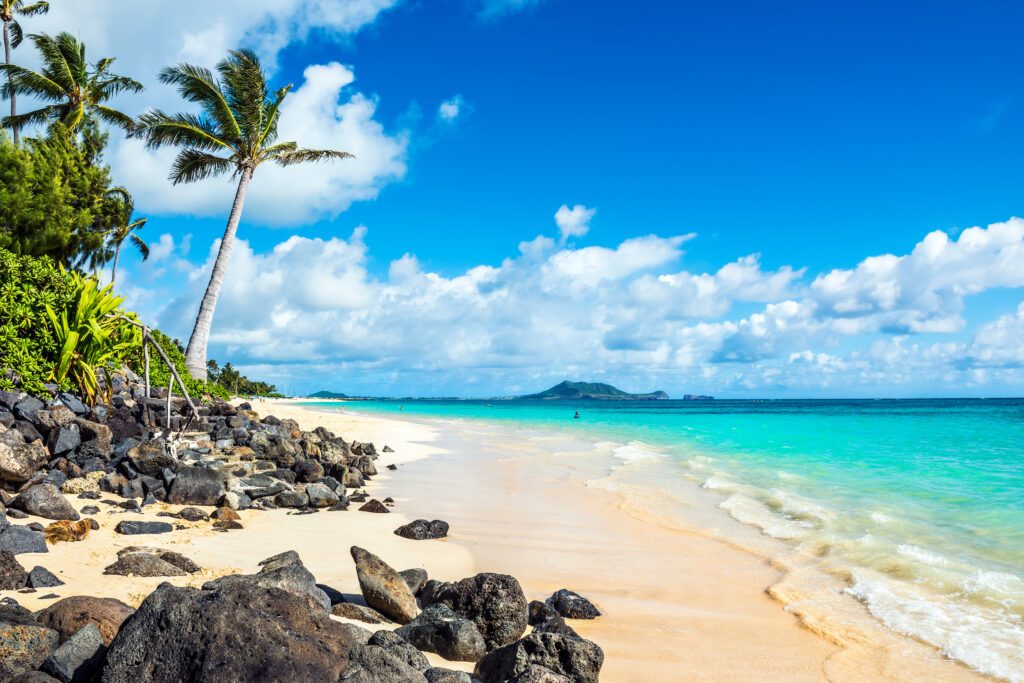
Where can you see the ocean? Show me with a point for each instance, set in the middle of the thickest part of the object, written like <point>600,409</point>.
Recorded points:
<point>917,506</point>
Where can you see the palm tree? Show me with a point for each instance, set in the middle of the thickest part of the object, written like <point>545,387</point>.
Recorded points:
<point>75,89</point>
<point>13,37</point>
<point>125,229</point>
<point>235,131</point>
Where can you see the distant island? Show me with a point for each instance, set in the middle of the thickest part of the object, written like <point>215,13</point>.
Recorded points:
<point>591,391</point>
<point>327,394</point>
<point>697,397</point>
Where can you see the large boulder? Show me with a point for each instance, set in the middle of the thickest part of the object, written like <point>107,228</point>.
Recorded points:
<point>441,675</point>
<point>538,674</point>
<point>401,648</point>
<point>63,439</point>
<point>438,629</point>
<point>143,564</point>
<point>134,527</point>
<point>415,578</point>
<point>152,457</point>
<point>67,616</point>
<point>421,530</point>
<point>494,602</point>
<point>320,496</point>
<point>196,486</point>
<point>231,631</point>
<point>79,657</point>
<point>18,539</point>
<point>24,643</point>
<point>578,659</point>
<point>375,664</point>
<point>19,461</point>
<point>12,575</point>
<point>45,500</point>
<point>285,572</point>
<point>383,588</point>
<point>573,605</point>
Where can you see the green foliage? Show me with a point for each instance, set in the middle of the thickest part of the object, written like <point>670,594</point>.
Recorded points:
<point>54,200</point>
<point>160,376</point>
<point>235,382</point>
<point>27,347</point>
<point>90,336</point>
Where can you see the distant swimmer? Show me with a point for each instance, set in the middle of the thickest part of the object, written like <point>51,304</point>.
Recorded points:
<point>576,416</point>
<point>401,407</point>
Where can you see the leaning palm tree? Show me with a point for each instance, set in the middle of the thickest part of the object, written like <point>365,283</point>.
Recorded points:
<point>13,37</point>
<point>235,131</point>
<point>75,89</point>
<point>125,229</point>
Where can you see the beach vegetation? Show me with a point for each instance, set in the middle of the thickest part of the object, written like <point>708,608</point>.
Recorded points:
<point>235,132</point>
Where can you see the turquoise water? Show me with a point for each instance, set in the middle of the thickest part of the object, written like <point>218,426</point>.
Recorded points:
<point>917,504</point>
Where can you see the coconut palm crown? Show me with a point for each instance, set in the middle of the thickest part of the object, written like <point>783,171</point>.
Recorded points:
<point>75,89</point>
<point>234,132</point>
<point>9,10</point>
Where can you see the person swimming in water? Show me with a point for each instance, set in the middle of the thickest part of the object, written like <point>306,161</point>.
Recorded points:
<point>576,416</point>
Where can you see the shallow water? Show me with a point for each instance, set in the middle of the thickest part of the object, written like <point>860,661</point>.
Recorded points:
<point>918,505</point>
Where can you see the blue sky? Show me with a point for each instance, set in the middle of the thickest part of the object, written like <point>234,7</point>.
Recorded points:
<point>814,135</point>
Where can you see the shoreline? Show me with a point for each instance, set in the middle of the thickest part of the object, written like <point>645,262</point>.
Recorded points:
<point>750,599</point>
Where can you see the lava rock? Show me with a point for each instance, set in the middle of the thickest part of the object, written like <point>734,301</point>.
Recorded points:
<point>375,664</point>
<point>415,578</point>
<point>67,616</point>
<point>383,588</point>
<point>12,575</point>
<point>232,631</point>
<point>573,605</point>
<point>142,564</point>
<point>284,572</point>
<point>350,610</point>
<point>191,514</point>
<point>440,675</point>
<point>494,602</point>
<point>539,612</point>
<point>44,500</point>
<point>401,648</point>
<point>152,457</point>
<point>19,461</point>
<point>291,499</point>
<point>24,643</point>
<point>438,629</point>
<point>421,530</point>
<point>539,674</point>
<point>374,505</point>
<point>79,657</point>
<point>64,439</point>
<point>320,496</point>
<point>19,539</point>
<point>132,527</point>
<point>196,486</point>
<point>40,577</point>
<point>578,659</point>
<point>225,514</point>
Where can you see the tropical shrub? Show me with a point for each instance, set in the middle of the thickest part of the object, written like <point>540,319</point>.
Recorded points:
<point>91,336</point>
<point>160,376</point>
<point>27,347</point>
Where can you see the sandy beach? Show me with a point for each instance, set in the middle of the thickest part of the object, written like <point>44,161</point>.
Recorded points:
<point>678,603</point>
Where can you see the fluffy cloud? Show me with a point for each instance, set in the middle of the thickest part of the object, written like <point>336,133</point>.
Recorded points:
<point>574,222</point>
<point>325,111</point>
<point>449,110</point>
<point>494,9</point>
<point>628,313</point>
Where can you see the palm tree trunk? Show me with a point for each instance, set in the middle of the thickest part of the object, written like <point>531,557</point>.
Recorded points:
<point>113,270</point>
<point>195,355</point>
<point>10,79</point>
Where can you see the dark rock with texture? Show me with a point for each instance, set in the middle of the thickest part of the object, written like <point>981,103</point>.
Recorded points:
<point>375,664</point>
<point>578,659</point>
<point>24,643</point>
<point>196,486</point>
<point>12,575</point>
<point>538,674</point>
<point>441,675</point>
<point>539,612</point>
<point>374,505</point>
<point>133,527</point>
<point>232,631</point>
<point>284,572</point>
<point>67,616</point>
<point>383,588</point>
<point>351,610</point>
<point>63,439</point>
<point>191,514</point>
<point>291,499</point>
<point>151,457</point>
<point>415,578</point>
<point>44,500</point>
<point>143,564</point>
<point>19,461</point>
<point>19,539</point>
<point>401,648</point>
<point>41,577</point>
<point>494,602</point>
<point>28,408</point>
<point>573,605</point>
<point>79,657</point>
<point>438,629</point>
<point>421,530</point>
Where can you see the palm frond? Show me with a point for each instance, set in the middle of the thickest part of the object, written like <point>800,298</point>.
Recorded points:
<point>34,9</point>
<point>114,117</point>
<point>274,150</point>
<point>55,57</point>
<point>245,86</point>
<point>74,116</point>
<point>106,88</point>
<point>140,244</point>
<point>16,35</point>
<point>304,156</point>
<point>197,84</point>
<point>183,130</point>
<point>29,118</point>
<point>192,165</point>
<point>27,82</point>
<point>273,114</point>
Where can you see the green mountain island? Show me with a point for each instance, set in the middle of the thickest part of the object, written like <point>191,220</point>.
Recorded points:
<point>591,391</point>
<point>327,394</point>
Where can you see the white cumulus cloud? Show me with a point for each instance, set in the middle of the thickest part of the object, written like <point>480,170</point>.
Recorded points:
<point>574,222</point>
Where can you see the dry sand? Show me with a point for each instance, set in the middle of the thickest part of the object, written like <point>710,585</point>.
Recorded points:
<point>678,605</point>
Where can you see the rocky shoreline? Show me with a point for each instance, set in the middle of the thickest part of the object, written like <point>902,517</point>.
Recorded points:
<point>63,461</point>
